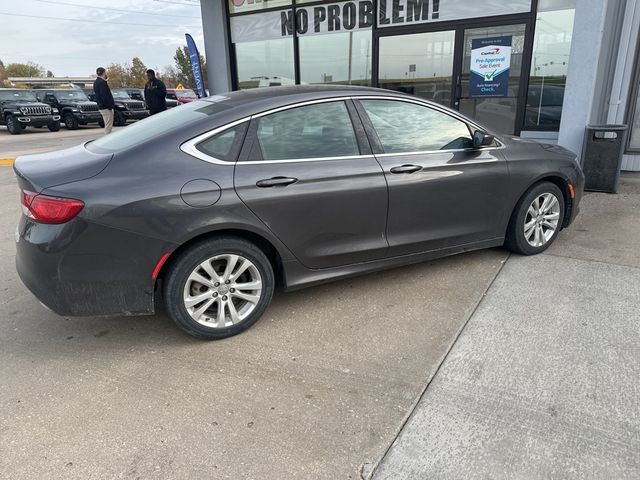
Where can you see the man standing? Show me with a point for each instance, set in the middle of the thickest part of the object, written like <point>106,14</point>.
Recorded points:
<point>104,99</point>
<point>155,94</point>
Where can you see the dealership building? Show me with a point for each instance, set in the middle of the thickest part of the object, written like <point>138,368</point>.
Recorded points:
<point>540,69</point>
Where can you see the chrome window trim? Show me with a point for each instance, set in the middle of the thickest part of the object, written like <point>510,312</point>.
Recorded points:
<point>189,147</point>
<point>313,159</point>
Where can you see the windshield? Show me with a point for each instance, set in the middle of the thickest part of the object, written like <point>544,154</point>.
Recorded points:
<point>71,95</point>
<point>120,94</point>
<point>157,125</point>
<point>17,95</point>
<point>186,94</point>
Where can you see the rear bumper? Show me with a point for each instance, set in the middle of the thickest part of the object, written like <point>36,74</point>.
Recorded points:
<point>83,269</point>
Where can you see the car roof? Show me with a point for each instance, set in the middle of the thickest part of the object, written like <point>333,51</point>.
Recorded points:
<point>251,101</point>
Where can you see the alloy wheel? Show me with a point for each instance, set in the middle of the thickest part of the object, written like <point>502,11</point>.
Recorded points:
<point>222,291</point>
<point>541,220</point>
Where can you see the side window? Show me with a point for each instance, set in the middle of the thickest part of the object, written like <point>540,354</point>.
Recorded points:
<point>408,127</point>
<point>311,131</point>
<point>225,145</point>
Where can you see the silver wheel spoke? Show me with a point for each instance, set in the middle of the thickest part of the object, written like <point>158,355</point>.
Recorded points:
<point>221,316</point>
<point>207,267</point>
<point>538,238</point>
<point>193,301</point>
<point>246,296</point>
<point>196,277</point>
<point>233,312</point>
<point>552,205</point>
<point>203,308</point>
<point>241,269</point>
<point>255,285</point>
<point>232,260</point>
<point>528,228</point>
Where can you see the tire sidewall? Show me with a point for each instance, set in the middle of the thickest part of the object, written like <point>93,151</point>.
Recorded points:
<point>70,121</point>
<point>12,125</point>
<point>54,127</point>
<point>181,268</point>
<point>518,240</point>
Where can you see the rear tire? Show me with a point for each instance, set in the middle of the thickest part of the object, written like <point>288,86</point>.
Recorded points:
<point>13,125</point>
<point>536,220</point>
<point>54,127</point>
<point>70,121</point>
<point>218,288</point>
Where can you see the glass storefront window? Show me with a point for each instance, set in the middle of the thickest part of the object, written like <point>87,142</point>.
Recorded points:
<point>265,63</point>
<point>239,6</point>
<point>420,64</point>
<point>551,47</point>
<point>343,58</point>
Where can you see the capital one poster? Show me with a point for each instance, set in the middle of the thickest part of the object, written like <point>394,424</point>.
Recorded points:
<point>490,64</point>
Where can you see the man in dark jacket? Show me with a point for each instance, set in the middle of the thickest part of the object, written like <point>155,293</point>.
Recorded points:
<point>155,94</point>
<point>104,99</point>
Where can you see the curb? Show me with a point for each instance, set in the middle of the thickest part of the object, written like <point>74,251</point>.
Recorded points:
<point>7,162</point>
<point>369,469</point>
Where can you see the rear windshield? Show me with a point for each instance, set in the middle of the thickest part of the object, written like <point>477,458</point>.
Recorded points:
<point>157,125</point>
<point>17,95</point>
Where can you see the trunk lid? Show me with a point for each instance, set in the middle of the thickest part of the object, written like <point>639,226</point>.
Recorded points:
<point>46,170</point>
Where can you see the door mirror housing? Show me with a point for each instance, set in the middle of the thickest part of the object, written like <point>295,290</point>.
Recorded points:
<point>482,139</point>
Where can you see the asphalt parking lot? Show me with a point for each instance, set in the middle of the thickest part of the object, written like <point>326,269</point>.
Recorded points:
<point>321,385</point>
<point>36,140</point>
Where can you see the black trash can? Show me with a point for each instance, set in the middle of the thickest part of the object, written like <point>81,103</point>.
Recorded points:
<point>602,157</point>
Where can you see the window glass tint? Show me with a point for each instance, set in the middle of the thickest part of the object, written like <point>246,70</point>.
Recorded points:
<point>338,58</point>
<point>551,46</point>
<point>266,63</point>
<point>225,145</point>
<point>157,125</point>
<point>407,127</point>
<point>321,130</point>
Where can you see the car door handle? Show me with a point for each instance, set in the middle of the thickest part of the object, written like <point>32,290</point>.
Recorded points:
<point>406,169</point>
<point>276,182</point>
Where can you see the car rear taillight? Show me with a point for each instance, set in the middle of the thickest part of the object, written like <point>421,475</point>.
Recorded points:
<point>46,209</point>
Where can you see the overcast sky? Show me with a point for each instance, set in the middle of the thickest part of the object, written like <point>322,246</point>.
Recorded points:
<point>76,48</point>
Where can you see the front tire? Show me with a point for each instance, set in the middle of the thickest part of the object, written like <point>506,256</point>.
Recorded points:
<point>70,122</point>
<point>13,126</point>
<point>54,127</point>
<point>218,288</point>
<point>536,220</point>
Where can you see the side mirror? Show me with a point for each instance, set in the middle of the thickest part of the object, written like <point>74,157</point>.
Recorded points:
<point>482,139</point>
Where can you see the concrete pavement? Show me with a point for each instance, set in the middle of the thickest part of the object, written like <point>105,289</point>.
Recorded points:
<point>543,381</point>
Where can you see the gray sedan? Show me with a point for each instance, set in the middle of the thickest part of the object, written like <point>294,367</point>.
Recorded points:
<point>213,205</point>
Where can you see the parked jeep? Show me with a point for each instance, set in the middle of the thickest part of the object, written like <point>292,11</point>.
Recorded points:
<point>138,94</point>
<point>20,109</point>
<point>126,107</point>
<point>74,106</point>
